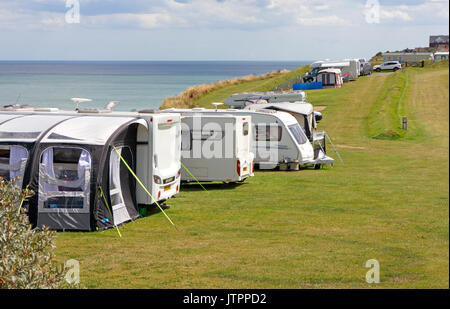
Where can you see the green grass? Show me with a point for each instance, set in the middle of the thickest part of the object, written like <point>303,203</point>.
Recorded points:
<point>306,229</point>
<point>220,95</point>
<point>385,117</point>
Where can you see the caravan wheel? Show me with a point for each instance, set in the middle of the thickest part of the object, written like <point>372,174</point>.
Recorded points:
<point>317,166</point>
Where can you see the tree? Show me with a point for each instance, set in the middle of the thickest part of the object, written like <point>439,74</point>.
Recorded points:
<point>26,254</point>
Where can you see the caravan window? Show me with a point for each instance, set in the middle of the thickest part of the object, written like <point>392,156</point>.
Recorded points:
<point>208,135</point>
<point>64,178</point>
<point>298,133</point>
<point>186,140</point>
<point>268,133</point>
<point>245,128</point>
<point>13,160</point>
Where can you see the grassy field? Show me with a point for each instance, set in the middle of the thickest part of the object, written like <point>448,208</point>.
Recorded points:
<point>312,228</point>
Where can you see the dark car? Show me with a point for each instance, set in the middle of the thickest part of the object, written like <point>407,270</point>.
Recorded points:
<point>366,69</point>
<point>311,75</point>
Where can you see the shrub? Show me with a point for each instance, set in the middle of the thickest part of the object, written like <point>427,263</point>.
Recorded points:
<point>26,255</point>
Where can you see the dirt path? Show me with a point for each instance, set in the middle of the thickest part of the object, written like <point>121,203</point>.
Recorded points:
<point>319,108</point>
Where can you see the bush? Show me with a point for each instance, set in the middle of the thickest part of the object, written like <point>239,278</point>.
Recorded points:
<point>26,255</point>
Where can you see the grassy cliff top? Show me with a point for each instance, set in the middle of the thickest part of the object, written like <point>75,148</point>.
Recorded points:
<point>204,95</point>
<point>311,228</point>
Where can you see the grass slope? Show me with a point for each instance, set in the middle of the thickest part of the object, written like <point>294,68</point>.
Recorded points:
<point>204,95</point>
<point>309,228</point>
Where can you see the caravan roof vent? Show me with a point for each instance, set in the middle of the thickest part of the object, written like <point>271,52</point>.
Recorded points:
<point>110,106</point>
<point>93,111</point>
<point>77,101</point>
<point>150,111</point>
<point>47,109</point>
<point>233,110</point>
<point>17,107</point>
<point>198,109</point>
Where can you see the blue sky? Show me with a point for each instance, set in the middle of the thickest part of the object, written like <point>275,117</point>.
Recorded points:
<point>215,29</point>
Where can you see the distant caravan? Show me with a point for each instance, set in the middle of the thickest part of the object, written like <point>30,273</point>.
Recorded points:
<point>241,100</point>
<point>277,140</point>
<point>349,67</point>
<point>80,164</point>
<point>301,110</point>
<point>330,78</point>
<point>216,147</point>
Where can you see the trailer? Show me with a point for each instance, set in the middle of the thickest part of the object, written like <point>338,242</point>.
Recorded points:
<point>241,100</point>
<point>348,67</point>
<point>216,148</point>
<point>74,161</point>
<point>354,69</point>
<point>277,140</point>
<point>307,118</point>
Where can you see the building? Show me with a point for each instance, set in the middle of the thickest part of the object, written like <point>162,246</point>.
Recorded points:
<point>407,57</point>
<point>439,42</point>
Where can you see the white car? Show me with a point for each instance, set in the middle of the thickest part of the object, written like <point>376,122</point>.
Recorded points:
<point>390,65</point>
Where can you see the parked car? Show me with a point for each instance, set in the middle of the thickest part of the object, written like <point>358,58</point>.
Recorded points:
<point>311,75</point>
<point>366,68</point>
<point>390,65</point>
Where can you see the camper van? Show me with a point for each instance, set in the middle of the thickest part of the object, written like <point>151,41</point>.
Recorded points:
<point>277,137</point>
<point>240,100</point>
<point>73,161</point>
<point>216,147</point>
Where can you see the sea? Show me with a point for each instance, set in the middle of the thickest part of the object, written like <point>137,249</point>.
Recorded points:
<point>135,84</point>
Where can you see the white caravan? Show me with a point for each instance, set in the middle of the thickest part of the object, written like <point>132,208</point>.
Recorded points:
<point>307,118</point>
<point>354,68</point>
<point>241,100</point>
<point>157,154</point>
<point>216,148</point>
<point>277,137</point>
<point>348,67</point>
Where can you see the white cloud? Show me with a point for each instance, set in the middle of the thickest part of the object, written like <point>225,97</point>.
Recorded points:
<point>325,21</point>
<point>395,14</point>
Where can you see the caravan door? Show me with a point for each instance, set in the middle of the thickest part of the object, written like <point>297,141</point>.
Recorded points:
<point>166,155</point>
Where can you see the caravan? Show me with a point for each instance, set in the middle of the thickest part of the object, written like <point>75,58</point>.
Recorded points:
<point>74,161</point>
<point>307,118</point>
<point>241,100</point>
<point>277,137</point>
<point>349,67</point>
<point>216,148</point>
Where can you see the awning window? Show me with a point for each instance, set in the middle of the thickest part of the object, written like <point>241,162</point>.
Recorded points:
<point>64,179</point>
<point>13,160</point>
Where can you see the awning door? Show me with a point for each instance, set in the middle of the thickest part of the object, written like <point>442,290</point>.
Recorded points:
<point>119,209</point>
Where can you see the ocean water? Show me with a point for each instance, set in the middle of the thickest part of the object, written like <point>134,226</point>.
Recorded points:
<point>136,85</point>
